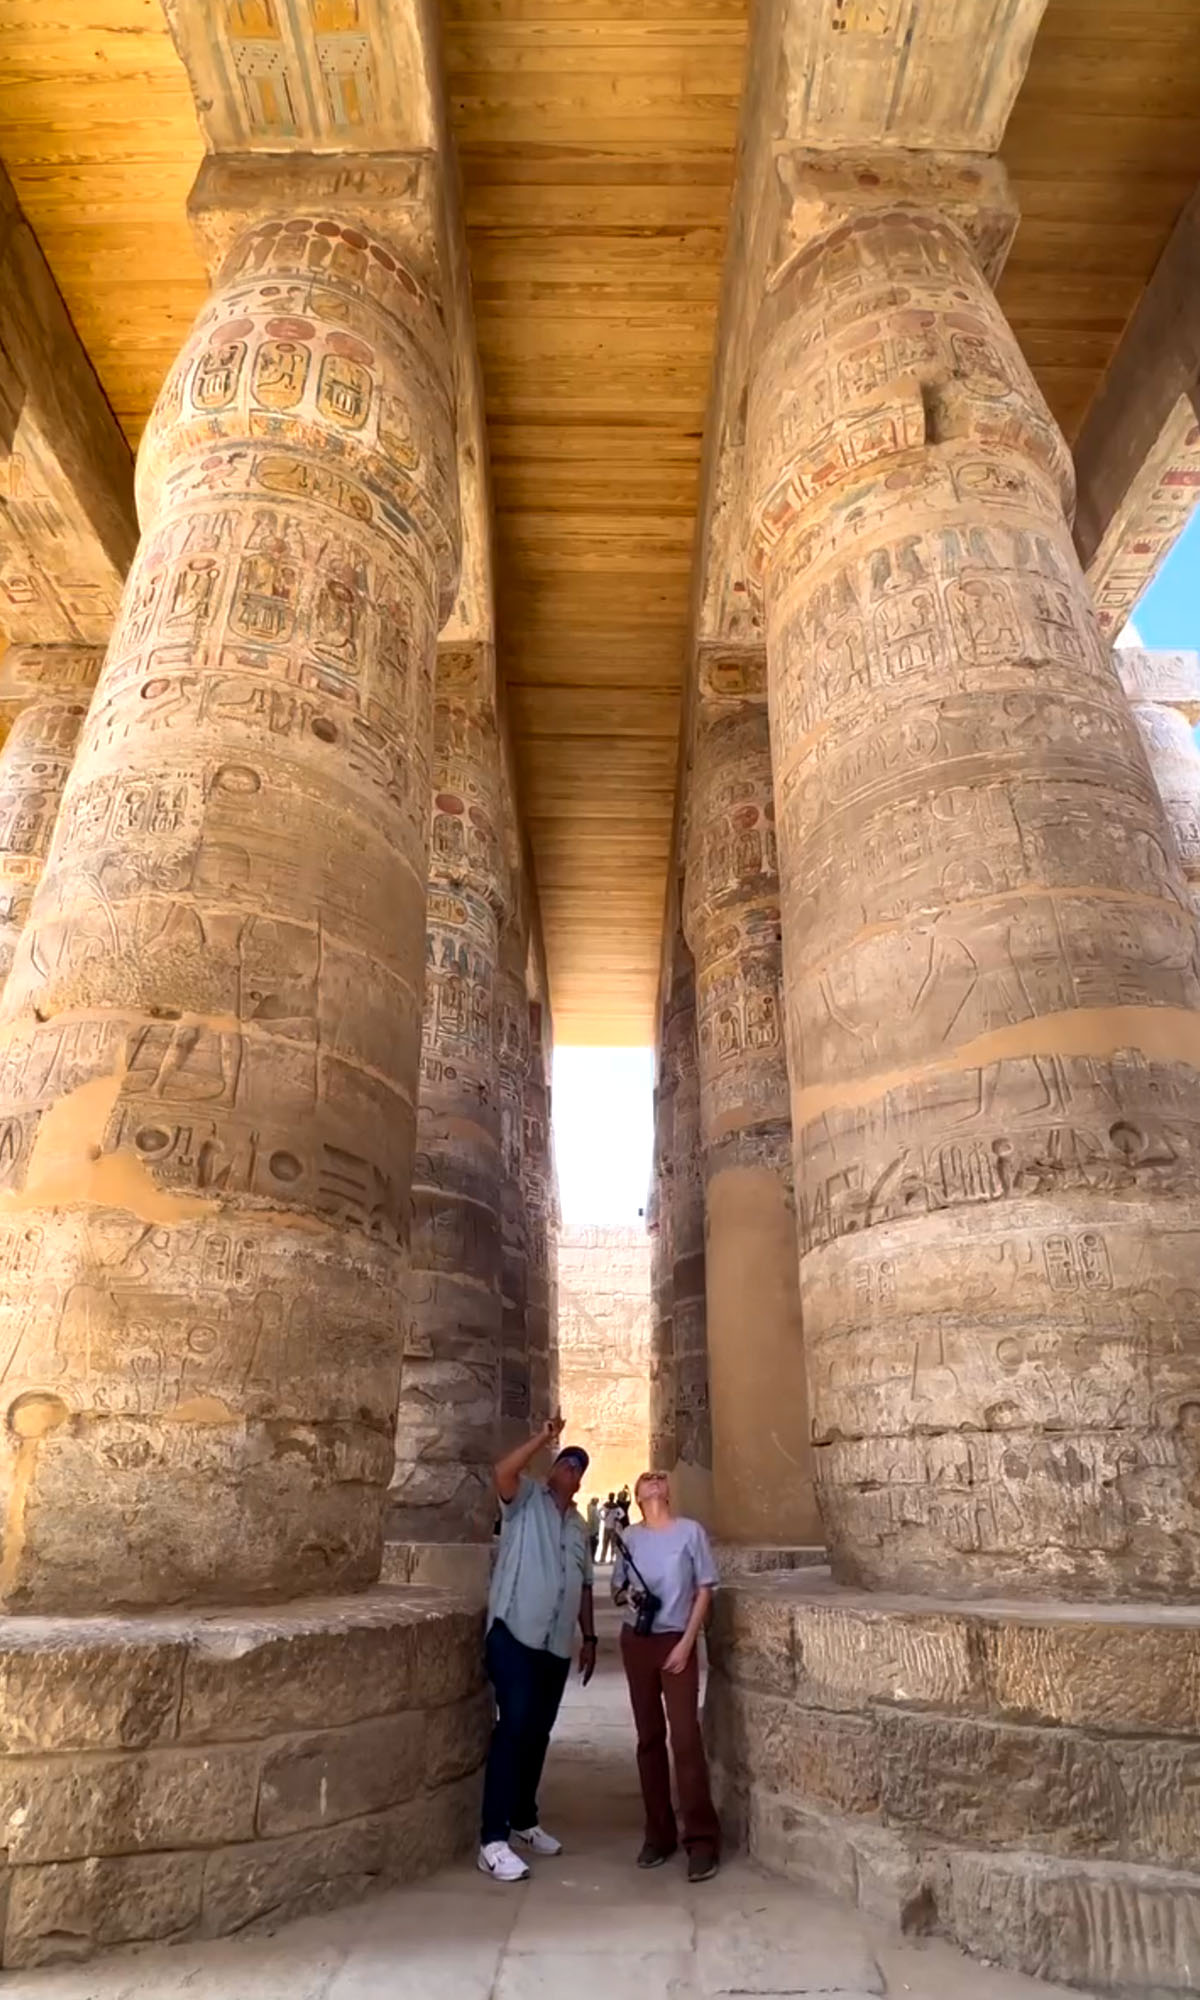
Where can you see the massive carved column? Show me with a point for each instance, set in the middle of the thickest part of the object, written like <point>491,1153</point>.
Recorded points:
<point>990,962</point>
<point>210,1032</point>
<point>46,691</point>
<point>450,1383</point>
<point>660,1217</point>
<point>762,1458</point>
<point>1164,690</point>
<point>692,1455</point>
<point>537,1179</point>
<point>513,1055</point>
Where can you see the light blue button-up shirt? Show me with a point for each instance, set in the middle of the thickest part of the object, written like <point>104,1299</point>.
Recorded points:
<point>543,1565</point>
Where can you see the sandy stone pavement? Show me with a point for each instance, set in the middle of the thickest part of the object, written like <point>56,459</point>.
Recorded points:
<point>585,1927</point>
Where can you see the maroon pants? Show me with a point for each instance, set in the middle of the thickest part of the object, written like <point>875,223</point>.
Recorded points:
<point>650,1691</point>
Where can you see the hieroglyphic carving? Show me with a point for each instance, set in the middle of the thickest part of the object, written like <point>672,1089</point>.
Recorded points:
<point>687,1391</point>
<point>1164,690</point>
<point>539,1181</point>
<point>991,977</point>
<point>450,1379</point>
<point>660,1226</point>
<point>762,1477</point>
<point>512,1057</point>
<point>211,1028</point>
<point>46,690</point>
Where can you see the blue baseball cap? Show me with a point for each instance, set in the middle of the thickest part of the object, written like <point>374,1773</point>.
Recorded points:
<point>574,1454</point>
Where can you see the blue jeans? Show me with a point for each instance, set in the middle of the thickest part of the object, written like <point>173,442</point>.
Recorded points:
<point>529,1687</point>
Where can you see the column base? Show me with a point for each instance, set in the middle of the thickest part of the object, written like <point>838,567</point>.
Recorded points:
<point>1021,1779</point>
<point>185,1775</point>
<point>463,1567</point>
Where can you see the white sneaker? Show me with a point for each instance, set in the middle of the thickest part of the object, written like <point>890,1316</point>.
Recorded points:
<point>498,1860</point>
<point>536,1839</point>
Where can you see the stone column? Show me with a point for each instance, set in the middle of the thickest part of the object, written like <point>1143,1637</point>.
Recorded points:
<point>537,1176</point>
<point>450,1382</point>
<point>990,961</point>
<point>1164,690</point>
<point>762,1457</point>
<point>691,1460</point>
<point>512,1038</point>
<point>210,1033</point>
<point>660,1223</point>
<point>45,690</point>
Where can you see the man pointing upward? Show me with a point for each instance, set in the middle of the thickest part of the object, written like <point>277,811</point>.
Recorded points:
<point>542,1583</point>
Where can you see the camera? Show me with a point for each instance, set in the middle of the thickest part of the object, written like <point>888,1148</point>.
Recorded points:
<point>648,1609</point>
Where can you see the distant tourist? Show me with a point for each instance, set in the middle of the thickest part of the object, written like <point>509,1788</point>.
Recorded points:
<point>623,1505</point>
<point>610,1518</point>
<point>593,1524</point>
<point>541,1585</point>
<point>665,1577</point>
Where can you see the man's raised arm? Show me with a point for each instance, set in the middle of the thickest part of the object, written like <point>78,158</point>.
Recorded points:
<point>507,1471</point>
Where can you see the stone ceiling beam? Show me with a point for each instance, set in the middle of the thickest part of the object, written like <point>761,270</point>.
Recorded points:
<point>1137,460</point>
<point>67,524</point>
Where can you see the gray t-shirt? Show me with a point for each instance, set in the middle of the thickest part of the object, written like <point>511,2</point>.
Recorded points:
<point>676,1561</point>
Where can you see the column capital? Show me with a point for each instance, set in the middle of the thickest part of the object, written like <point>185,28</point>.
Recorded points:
<point>394,197</point>
<point>820,192</point>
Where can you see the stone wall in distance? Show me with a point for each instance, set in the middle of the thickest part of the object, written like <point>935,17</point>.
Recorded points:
<point>604,1350</point>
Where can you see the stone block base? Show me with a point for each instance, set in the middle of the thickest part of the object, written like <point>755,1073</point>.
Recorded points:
<point>463,1567</point>
<point>1022,1779</point>
<point>187,1775</point>
<point>745,1559</point>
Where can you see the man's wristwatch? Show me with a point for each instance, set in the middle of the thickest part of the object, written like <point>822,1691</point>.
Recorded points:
<point>589,1638</point>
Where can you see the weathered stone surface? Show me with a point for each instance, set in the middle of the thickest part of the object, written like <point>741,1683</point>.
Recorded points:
<point>604,1333</point>
<point>680,1423</point>
<point>370,1657</point>
<point>1103,1924</point>
<point>67,1808</point>
<point>540,1191</point>
<point>512,1061</point>
<point>338,1774</point>
<point>995,1825</point>
<point>465,1568</point>
<point>987,1784</point>
<point>846,1658</point>
<point>273,1880</point>
<point>1126,1671</point>
<point>455,1738</point>
<point>450,1379</point>
<point>762,1465</point>
<point>315,1750</point>
<point>70,1909</point>
<point>1166,706</point>
<point>45,691</point>
<point>211,1113</point>
<point>810,1753</point>
<point>105,1686</point>
<point>992,1005</point>
<point>752,1639</point>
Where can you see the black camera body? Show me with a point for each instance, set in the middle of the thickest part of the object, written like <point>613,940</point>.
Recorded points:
<point>648,1609</point>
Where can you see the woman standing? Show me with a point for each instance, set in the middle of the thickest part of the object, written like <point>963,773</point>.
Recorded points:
<point>671,1558</point>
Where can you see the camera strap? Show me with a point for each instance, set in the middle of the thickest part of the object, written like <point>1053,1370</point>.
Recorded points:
<point>627,1558</point>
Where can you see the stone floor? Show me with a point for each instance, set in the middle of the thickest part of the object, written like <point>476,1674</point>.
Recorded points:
<point>586,1927</point>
